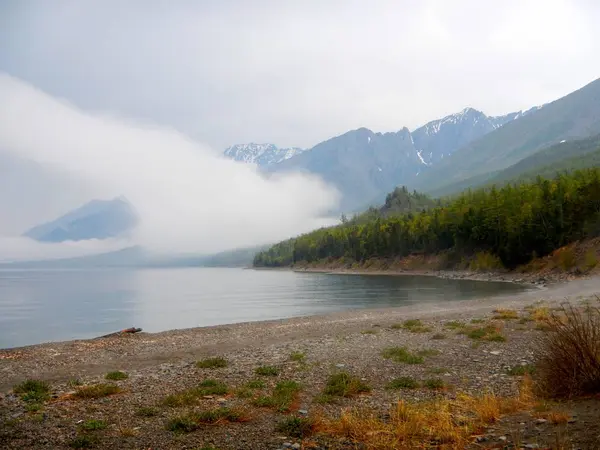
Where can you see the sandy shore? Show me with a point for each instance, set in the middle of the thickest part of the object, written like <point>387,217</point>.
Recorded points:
<point>163,363</point>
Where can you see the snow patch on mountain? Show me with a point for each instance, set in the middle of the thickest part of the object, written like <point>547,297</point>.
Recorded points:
<point>261,154</point>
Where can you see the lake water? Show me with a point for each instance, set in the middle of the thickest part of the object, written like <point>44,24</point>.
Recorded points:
<point>42,305</point>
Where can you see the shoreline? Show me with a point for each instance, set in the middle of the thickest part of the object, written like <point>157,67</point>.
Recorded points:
<point>60,360</point>
<point>160,366</point>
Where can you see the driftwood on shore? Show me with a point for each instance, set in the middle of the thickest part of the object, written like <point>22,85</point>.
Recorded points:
<point>131,330</point>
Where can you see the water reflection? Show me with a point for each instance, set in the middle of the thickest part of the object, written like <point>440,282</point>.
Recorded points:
<point>38,306</point>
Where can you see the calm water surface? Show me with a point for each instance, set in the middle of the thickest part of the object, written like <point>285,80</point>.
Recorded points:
<point>41,305</point>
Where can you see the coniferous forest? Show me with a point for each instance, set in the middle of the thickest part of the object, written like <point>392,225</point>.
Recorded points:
<point>514,223</point>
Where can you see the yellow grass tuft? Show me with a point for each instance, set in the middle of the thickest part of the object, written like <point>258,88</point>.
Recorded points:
<point>443,423</point>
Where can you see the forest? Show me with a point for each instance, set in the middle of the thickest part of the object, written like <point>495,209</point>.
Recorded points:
<point>514,223</point>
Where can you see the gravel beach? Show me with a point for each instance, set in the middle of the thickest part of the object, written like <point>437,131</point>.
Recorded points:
<point>353,341</point>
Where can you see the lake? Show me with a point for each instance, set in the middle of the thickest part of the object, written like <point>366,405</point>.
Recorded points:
<point>54,305</point>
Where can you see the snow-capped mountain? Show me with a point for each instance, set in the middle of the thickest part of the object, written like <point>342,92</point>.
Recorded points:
<point>440,138</point>
<point>498,121</point>
<point>261,154</point>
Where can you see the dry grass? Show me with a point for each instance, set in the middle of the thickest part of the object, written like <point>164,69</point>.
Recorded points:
<point>569,353</point>
<point>505,314</point>
<point>96,391</point>
<point>443,423</point>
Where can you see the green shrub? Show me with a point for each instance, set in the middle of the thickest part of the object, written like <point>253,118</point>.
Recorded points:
<point>297,427</point>
<point>282,397</point>
<point>117,375</point>
<point>403,383</point>
<point>434,383</point>
<point>521,370</point>
<point>267,371</point>
<point>212,363</point>
<point>96,391</point>
<point>84,441</point>
<point>401,355</point>
<point>33,391</point>
<point>345,385</point>
<point>297,356</point>
<point>484,261</point>
<point>93,425</point>
<point>146,411</point>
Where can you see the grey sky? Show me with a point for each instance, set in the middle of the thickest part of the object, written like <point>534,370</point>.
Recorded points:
<point>295,73</point>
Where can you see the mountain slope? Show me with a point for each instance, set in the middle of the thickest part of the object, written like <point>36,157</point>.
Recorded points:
<point>97,219</point>
<point>574,116</point>
<point>360,163</point>
<point>261,154</point>
<point>364,166</point>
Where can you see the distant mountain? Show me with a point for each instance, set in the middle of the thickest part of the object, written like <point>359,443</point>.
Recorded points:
<point>137,257</point>
<point>97,219</point>
<point>360,163</point>
<point>574,116</point>
<point>260,154</point>
<point>365,166</point>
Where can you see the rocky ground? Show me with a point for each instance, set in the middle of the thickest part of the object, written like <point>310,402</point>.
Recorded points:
<point>268,373</point>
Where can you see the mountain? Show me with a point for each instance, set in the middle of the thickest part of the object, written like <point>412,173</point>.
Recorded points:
<point>136,257</point>
<point>574,116</point>
<point>361,164</point>
<point>97,219</point>
<point>364,166</point>
<point>261,154</point>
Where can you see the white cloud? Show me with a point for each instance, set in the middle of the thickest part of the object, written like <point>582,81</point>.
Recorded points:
<point>296,73</point>
<point>189,198</point>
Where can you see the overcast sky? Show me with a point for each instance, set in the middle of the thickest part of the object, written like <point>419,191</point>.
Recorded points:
<point>296,72</point>
<point>138,98</point>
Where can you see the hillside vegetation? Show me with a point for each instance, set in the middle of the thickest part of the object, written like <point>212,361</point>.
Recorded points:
<point>512,225</point>
<point>560,158</point>
<point>575,116</point>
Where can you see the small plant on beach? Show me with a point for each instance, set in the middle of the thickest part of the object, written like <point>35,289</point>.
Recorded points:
<point>284,394</point>
<point>84,441</point>
<point>368,332</point>
<point>403,383</point>
<point>297,427</point>
<point>527,369</point>
<point>93,425</point>
<point>96,391</point>
<point>490,332</point>
<point>401,355</point>
<point>267,371</point>
<point>116,375</point>
<point>33,407</point>
<point>426,352</point>
<point>297,356</point>
<point>191,421</point>
<point>439,336</point>
<point>434,383</point>
<point>345,385</point>
<point>33,391</point>
<point>255,384</point>
<point>505,314</point>
<point>191,396</point>
<point>475,321</point>
<point>146,411</point>
<point>454,325</point>
<point>569,353</point>
<point>415,326</point>
<point>212,363</point>
<point>74,382</point>
<point>182,424</point>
